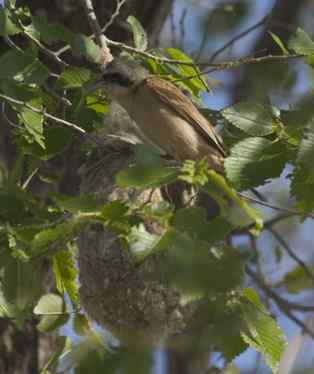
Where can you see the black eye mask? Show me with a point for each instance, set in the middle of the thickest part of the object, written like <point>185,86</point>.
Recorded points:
<point>117,78</point>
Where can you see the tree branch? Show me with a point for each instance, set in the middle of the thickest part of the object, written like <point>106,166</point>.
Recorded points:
<point>96,29</point>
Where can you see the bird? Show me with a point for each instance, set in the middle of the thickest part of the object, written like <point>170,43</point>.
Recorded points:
<point>164,114</point>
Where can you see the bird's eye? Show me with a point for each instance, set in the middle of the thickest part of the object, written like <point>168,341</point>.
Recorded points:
<point>117,78</point>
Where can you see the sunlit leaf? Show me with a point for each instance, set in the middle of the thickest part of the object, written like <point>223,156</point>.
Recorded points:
<point>85,46</point>
<point>74,77</point>
<point>7,26</point>
<point>65,270</point>
<point>139,34</point>
<point>301,43</point>
<point>264,335</point>
<point>253,118</point>
<point>254,161</point>
<point>52,310</point>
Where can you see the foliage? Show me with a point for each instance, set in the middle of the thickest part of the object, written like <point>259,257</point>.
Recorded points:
<point>194,256</point>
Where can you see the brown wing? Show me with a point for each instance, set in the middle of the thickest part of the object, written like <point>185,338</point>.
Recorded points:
<point>173,97</point>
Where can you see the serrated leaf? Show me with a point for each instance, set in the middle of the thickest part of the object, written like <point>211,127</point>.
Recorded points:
<point>50,238</point>
<point>218,181</point>
<point>302,188</point>
<point>52,310</point>
<point>146,176</point>
<point>301,43</point>
<point>7,26</point>
<point>139,34</point>
<point>65,271</point>
<point>85,46</point>
<point>265,336</point>
<point>33,123</point>
<point>253,118</point>
<point>51,32</point>
<point>306,148</point>
<point>254,161</point>
<point>74,77</point>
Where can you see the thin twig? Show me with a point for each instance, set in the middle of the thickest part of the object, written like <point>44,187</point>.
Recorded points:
<point>96,29</point>
<point>40,46</point>
<point>119,4</point>
<point>291,253</point>
<point>46,51</point>
<point>6,118</point>
<point>284,305</point>
<point>63,100</point>
<point>204,39</point>
<point>238,37</point>
<point>173,28</point>
<point>43,113</point>
<point>182,27</point>
<point>275,207</point>
<point>216,66</point>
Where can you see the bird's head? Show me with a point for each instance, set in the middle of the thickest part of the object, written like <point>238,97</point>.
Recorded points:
<point>121,76</point>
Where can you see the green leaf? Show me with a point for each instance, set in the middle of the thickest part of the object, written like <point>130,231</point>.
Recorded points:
<point>7,26</point>
<point>76,204</point>
<point>85,46</point>
<point>88,118</point>
<point>33,123</point>
<point>35,73</point>
<point>195,84</point>
<point>81,325</point>
<point>146,155</point>
<point>21,283</point>
<point>302,188</point>
<point>74,77</point>
<point>253,118</point>
<point>53,313</point>
<point>51,32</point>
<point>53,239</point>
<point>265,336</point>
<point>7,309</point>
<point>224,323</point>
<point>114,211</point>
<point>65,270</point>
<point>297,280</point>
<point>14,62</point>
<point>146,176</point>
<point>141,242</point>
<point>139,34</point>
<point>218,181</point>
<point>254,161</point>
<point>12,205</point>
<point>190,265</point>
<point>306,148</point>
<point>301,43</point>
<point>193,222</point>
<point>279,43</point>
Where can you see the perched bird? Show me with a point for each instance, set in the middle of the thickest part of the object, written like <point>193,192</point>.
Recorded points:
<point>165,115</point>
